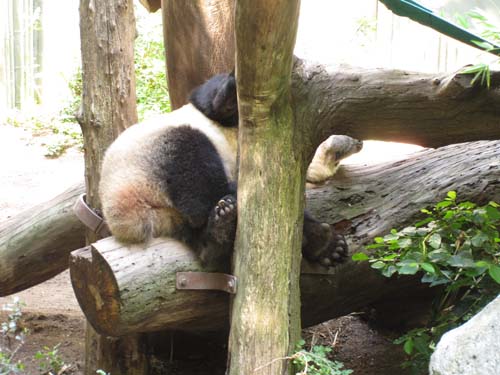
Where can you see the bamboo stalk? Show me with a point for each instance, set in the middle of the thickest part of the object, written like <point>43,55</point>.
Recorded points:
<point>17,52</point>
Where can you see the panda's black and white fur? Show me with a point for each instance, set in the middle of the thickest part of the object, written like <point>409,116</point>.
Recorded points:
<point>175,176</point>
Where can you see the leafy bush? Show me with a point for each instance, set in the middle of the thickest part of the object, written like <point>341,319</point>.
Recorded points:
<point>456,246</point>
<point>49,360</point>
<point>11,339</point>
<point>316,361</point>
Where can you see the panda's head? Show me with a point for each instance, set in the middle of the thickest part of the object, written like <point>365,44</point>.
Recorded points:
<point>217,99</point>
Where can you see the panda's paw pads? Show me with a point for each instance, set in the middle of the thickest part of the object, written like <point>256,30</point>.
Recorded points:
<point>225,209</point>
<point>222,220</point>
<point>336,252</point>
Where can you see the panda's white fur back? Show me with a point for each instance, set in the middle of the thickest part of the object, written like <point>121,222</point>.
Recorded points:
<point>133,205</point>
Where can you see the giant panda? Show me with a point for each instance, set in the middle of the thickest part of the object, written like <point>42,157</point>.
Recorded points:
<point>175,176</point>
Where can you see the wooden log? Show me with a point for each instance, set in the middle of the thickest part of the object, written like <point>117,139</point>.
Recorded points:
<point>126,290</point>
<point>132,289</point>
<point>35,245</point>
<point>369,201</point>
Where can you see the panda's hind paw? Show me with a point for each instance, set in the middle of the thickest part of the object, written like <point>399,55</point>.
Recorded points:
<point>336,252</point>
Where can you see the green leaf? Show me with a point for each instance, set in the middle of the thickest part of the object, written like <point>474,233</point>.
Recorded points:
<point>375,246</point>
<point>482,264</point>
<point>360,257</point>
<point>409,231</point>
<point>444,204</point>
<point>409,269</point>
<point>439,281</point>
<point>422,344</point>
<point>494,272</point>
<point>389,271</point>
<point>404,243</point>
<point>390,257</point>
<point>428,267</point>
<point>378,265</point>
<point>449,214</point>
<point>484,45</point>
<point>408,346</point>
<point>378,240</point>
<point>428,278</point>
<point>391,237</point>
<point>479,239</point>
<point>452,195</point>
<point>492,212</point>
<point>461,261</point>
<point>477,68</point>
<point>435,240</point>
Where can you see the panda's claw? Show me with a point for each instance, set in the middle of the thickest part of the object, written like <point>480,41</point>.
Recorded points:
<point>222,221</point>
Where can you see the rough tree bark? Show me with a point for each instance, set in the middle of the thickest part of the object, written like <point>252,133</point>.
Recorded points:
<point>107,30</point>
<point>399,106</point>
<point>265,315</point>
<point>34,245</point>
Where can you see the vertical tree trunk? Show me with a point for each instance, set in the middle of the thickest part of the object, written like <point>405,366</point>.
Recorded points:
<point>266,310</point>
<point>107,31</point>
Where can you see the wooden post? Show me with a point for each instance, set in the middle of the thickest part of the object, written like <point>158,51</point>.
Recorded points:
<point>107,31</point>
<point>266,310</point>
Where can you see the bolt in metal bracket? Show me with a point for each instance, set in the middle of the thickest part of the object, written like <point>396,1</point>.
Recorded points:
<point>206,281</point>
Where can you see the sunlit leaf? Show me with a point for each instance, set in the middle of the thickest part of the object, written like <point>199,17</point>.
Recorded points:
<point>360,257</point>
<point>452,194</point>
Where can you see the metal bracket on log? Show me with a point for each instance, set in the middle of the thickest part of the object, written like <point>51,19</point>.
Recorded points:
<point>206,281</point>
<point>90,218</point>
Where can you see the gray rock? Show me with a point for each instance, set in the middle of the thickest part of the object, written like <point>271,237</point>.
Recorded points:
<point>471,349</point>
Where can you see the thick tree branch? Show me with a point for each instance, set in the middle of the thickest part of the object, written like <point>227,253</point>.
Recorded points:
<point>393,105</point>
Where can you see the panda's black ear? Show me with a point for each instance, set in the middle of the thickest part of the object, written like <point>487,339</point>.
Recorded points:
<point>233,72</point>
<point>225,101</point>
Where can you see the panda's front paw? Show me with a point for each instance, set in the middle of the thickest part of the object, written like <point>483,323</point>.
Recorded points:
<point>225,209</point>
<point>222,220</point>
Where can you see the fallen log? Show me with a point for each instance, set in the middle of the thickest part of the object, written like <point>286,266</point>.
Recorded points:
<point>130,289</point>
<point>124,290</point>
<point>34,245</point>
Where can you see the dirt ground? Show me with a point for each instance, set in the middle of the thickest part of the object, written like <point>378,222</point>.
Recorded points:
<point>51,312</point>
